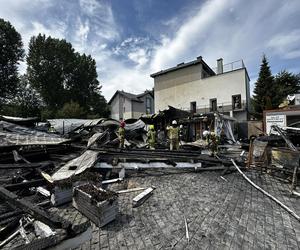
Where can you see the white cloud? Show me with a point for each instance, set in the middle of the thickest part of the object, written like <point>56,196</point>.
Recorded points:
<point>192,33</point>
<point>287,44</point>
<point>89,6</point>
<point>137,49</point>
<point>83,30</point>
<point>231,29</point>
<point>139,56</point>
<point>119,77</point>
<point>101,18</point>
<point>56,30</point>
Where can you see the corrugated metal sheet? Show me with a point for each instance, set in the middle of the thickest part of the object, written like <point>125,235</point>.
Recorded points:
<point>76,166</point>
<point>15,135</point>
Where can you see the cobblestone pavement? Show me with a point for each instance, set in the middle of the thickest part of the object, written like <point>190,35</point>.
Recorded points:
<point>220,214</point>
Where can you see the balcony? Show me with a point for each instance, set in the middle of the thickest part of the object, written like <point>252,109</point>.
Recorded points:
<point>224,107</point>
<point>231,66</point>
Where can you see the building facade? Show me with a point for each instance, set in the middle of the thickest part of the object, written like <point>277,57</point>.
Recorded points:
<point>125,105</point>
<point>197,88</point>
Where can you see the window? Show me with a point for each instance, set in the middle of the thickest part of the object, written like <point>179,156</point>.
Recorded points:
<point>236,102</point>
<point>193,107</point>
<point>213,104</point>
<point>148,105</point>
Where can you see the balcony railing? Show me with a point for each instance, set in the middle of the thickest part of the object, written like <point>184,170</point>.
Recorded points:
<point>221,107</point>
<point>231,66</point>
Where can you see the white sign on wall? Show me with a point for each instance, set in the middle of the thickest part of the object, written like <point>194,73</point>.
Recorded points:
<point>279,120</point>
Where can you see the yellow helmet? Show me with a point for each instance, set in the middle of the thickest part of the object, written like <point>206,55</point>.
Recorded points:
<point>151,127</point>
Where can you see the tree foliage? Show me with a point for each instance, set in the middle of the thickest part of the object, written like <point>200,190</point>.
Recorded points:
<point>269,91</point>
<point>62,77</point>
<point>49,69</point>
<point>264,89</point>
<point>71,110</point>
<point>286,83</point>
<point>26,101</point>
<point>11,52</point>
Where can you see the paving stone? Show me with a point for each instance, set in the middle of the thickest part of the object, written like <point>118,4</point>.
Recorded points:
<point>220,215</point>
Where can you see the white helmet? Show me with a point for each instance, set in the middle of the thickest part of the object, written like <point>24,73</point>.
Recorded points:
<point>205,133</point>
<point>174,122</point>
<point>181,126</point>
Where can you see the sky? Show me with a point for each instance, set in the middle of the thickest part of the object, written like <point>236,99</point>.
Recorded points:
<point>131,39</point>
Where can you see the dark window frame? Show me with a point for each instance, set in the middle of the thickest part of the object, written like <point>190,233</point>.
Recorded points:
<point>236,102</point>
<point>213,104</point>
<point>193,107</point>
<point>148,105</point>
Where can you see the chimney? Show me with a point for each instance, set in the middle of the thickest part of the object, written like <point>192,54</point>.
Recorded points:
<point>220,66</point>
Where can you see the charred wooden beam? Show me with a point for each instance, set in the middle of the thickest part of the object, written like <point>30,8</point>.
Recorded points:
<point>10,228</point>
<point>293,148</point>
<point>27,184</point>
<point>38,213</point>
<point>10,214</point>
<point>26,165</point>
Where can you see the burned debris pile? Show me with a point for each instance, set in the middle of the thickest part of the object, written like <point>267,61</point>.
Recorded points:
<point>55,183</point>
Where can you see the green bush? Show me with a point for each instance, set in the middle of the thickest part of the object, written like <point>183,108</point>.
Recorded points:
<point>71,110</point>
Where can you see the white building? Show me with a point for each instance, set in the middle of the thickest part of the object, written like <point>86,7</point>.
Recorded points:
<point>196,87</point>
<point>125,105</point>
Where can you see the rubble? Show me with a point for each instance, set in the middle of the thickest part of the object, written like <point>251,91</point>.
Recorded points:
<point>43,175</point>
<point>142,197</point>
<point>99,205</point>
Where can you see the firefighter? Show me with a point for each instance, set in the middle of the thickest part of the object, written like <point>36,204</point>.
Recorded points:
<point>121,134</point>
<point>174,136</point>
<point>151,137</point>
<point>214,141</point>
<point>181,133</point>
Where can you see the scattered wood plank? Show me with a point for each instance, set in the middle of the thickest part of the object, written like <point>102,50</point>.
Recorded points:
<point>25,184</point>
<point>20,230</point>
<point>223,178</point>
<point>43,191</point>
<point>142,197</point>
<point>186,230</point>
<point>25,165</point>
<point>38,213</point>
<point>293,148</point>
<point>111,181</point>
<point>266,193</point>
<point>296,193</point>
<point>130,190</point>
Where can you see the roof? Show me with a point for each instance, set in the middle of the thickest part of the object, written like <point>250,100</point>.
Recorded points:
<point>199,60</point>
<point>28,121</point>
<point>130,96</point>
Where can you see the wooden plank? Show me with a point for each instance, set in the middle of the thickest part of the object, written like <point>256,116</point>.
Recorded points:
<point>26,165</point>
<point>38,213</point>
<point>130,190</point>
<point>26,184</point>
<point>142,197</point>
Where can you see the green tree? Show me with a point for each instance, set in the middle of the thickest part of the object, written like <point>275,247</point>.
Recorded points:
<point>84,83</point>
<point>264,90</point>
<point>26,101</point>
<point>98,106</point>
<point>50,64</point>
<point>286,83</point>
<point>11,52</point>
<point>62,76</point>
<point>71,110</point>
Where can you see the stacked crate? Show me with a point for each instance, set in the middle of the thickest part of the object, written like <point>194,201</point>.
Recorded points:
<point>101,213</point>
